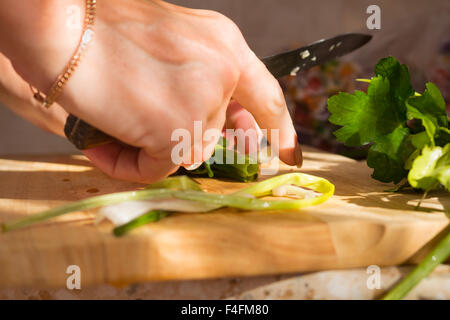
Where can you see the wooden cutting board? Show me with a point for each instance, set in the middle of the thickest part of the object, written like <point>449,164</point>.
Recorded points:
<point>360,226</point>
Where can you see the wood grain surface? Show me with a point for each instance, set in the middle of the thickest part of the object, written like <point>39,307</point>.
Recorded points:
<point>361,225</point>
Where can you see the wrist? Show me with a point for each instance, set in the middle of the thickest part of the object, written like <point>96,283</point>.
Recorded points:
<point>46,35</point>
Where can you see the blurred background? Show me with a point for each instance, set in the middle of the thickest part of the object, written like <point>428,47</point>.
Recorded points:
<point>416,32</point>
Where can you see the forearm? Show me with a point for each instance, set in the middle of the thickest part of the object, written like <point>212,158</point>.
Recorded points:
<point>17,96</point>
<point>40,37</point>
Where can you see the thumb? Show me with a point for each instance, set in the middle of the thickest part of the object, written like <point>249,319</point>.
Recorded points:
<point>260,93</point>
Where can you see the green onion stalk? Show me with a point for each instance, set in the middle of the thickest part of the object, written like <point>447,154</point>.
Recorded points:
<point>437,256</point>
<point>226,163</point>
<point>152,216</point>
<point>186,189</point>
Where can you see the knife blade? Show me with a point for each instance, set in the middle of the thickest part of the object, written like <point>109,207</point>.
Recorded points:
<point>85,136</point>
<point>314,54</point>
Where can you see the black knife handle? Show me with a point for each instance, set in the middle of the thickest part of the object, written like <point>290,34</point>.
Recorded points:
<point>83,135</point>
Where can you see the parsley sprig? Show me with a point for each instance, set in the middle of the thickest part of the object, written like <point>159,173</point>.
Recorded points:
<point>410,140</point>
<point>408,132</point>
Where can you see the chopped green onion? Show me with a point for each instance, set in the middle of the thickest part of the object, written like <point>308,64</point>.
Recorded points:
<point>152,216</point>
<point>238,199</point>
<point>241,167</point>
<point>85,204</point>
<point>176,183</point>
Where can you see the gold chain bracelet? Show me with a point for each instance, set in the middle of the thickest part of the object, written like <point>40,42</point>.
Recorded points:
<point>61,81</point>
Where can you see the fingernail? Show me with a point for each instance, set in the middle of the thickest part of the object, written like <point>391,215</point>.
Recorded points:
<point>298,155</point>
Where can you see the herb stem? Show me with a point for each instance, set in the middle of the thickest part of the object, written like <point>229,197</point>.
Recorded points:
<point>417,94</point>
<point>364,80</point>
<point>425,194</point>
<point>438,255</point>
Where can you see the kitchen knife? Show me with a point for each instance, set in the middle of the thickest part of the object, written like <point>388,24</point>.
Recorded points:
<point>84,136</point>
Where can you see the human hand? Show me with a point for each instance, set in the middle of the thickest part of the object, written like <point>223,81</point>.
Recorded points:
<point>153,68</point>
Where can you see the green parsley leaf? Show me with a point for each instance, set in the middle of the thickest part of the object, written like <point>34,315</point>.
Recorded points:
<point>380,117</point>
<point>431,168</point>
<point>442,137</point>
<point>388,155</point>
<point>399,80</point>
<point>416,142</point>
<point>365,117</point>
<point>431,110</point>
<point>429,123</point>
<point>431,104</point>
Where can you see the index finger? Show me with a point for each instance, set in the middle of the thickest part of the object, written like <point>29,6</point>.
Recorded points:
<point>260,93</point>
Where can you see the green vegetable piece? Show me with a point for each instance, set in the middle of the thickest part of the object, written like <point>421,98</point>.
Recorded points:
<point>399,80</point>
<point>409,161</point>
<point>416,143</point>
<point>431,168</point>
<point>208,169</point>
<point>85,204</point>
<point>430,109</point>
<point>380,117</point>
<point>365,117</point>
<point>428,123</point>
<point>437,256</point>
<point>431,104</point>
<point>239,167</point>
<point>238,200</point>
<point>442,137</point>
<point>176,183</point>
<point>443,167</point>
<point>387,156</point>
<point>445,130</point>
<point>420,140</point>
<point>152,216</point>
<point>241,199</point>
